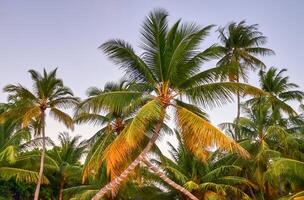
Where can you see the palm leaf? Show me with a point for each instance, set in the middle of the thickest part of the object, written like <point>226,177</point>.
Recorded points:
<point>200,134</point>
<point>20,175</point>
<point>132,135</point>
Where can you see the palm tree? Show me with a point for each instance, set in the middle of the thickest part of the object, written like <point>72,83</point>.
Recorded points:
<point>290,173</point>
<point>266,140</point>
<point>168,69</point>
<point>13,141</point>
<point>48,93</point>
<point>114,122</point>
<point>281,91</point>
<point>132,189</point>
<point>205,178</point>
<point>67,155</point>
<point>241,44</point>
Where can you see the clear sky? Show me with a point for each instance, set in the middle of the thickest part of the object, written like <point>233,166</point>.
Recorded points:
<point>37,34</point>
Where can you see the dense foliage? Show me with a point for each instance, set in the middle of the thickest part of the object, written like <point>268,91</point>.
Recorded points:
<point>259,155</point>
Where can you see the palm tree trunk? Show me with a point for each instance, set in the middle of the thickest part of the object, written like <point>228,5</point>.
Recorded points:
<point>238,114</point>
<point>116,182</point>
<point>36,197</point>
<point>60,196</point>
<point>163,176</point>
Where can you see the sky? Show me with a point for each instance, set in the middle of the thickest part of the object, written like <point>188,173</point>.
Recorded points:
<point>37,34</point>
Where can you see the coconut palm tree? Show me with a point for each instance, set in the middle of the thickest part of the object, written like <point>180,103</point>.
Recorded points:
<point>13,141</point>
<point>205,178</point>
<point>132,189</point>
<point>67,155</point>
<point>114,122</point>
<point>281,91</point>
<point>169,70</point>
<point>266,140</point>
<point>290,173</point>
<point>49,93</point>
<point>241,46</point>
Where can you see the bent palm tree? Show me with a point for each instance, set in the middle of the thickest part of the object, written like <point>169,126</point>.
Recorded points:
<point>114,121</point>
<point>168,69</point>
<point>48,93</point>
<point>242,44</point>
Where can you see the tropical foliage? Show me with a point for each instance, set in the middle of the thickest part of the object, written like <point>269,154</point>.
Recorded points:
<point>164,92</point>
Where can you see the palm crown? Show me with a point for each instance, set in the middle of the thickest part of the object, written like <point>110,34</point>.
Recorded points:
<point>241,46</point>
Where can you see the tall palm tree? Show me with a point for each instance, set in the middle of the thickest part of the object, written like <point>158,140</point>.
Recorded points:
<point>241,46</point>
<point>67,155</point>
<point>114,122</point>
<point>169,71</point>
<point>48,93</point>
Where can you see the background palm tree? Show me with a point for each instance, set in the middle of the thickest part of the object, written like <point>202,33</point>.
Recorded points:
<point>281,91</point>
<point>266,138</point>
<point>205,178</point>
<point>169,69</point>
<point>48,93</point>
<point>241,46</point>
<point>67,155</point>
<point>13,141</point>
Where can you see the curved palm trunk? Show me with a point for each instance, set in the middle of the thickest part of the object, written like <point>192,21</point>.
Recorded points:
<point>117,181</point>
<point>163,176</point>
<point>36,197</point>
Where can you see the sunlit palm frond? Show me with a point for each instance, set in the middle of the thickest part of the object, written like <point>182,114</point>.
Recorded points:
<point>132,135</point>
<point>200,134</point>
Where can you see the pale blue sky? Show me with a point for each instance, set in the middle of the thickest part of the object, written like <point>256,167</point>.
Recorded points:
<point>65,34</point>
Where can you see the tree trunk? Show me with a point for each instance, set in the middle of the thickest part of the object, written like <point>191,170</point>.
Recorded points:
<point>60,196</point>
<point>163,176</point>
<point>238,114</point>
<point>116,182</point>
<point>36,197</point>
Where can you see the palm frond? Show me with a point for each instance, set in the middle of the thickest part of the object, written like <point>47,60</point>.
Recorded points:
<point>62,117</point>
<point>200,134</point>
<point>217,94</point>
<point>133,134</point>
<point>21,175</point>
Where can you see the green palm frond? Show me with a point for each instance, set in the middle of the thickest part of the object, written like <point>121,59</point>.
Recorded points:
<point>217,94</point>
<point>221,172</point>
<point>122,53</point>
<point>92,118</point>
<point>62,117</point>
<point>20,175</point>
<point>287,168</point>
<point>115,101</point>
